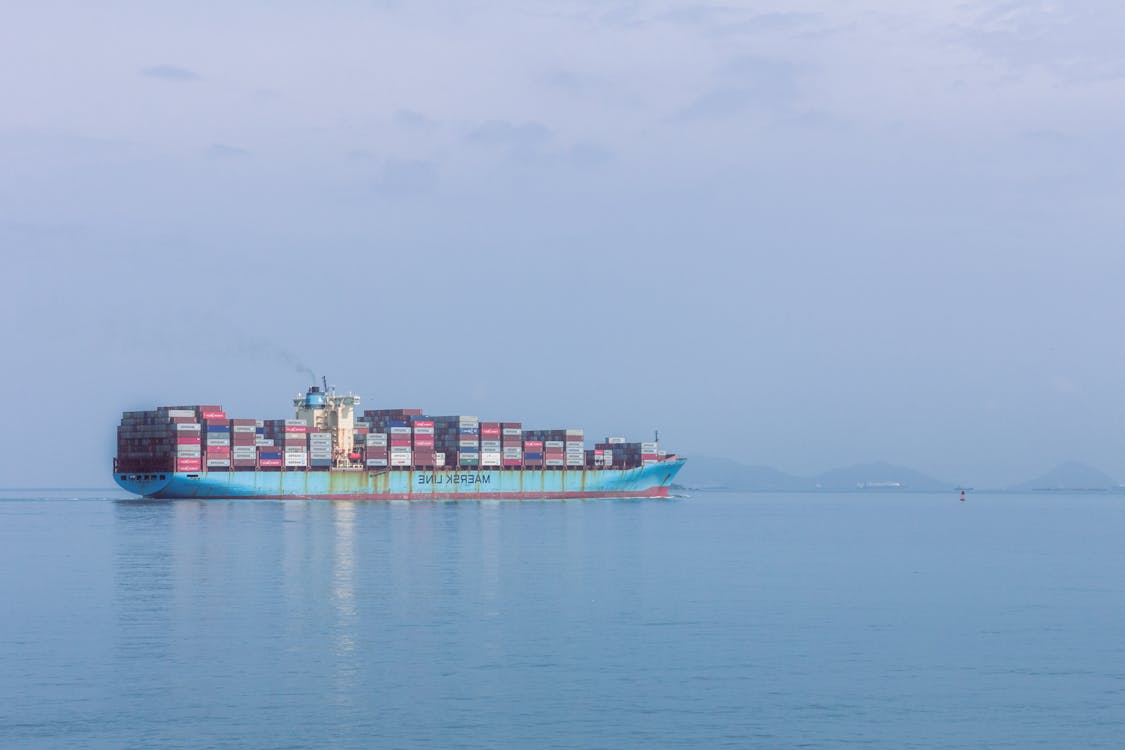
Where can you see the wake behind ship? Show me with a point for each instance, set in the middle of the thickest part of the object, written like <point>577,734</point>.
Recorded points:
<point>326,452</point>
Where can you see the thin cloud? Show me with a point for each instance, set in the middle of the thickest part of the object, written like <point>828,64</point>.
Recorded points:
<point>224,151</point>
<point>522,136</point>
<point>170,73</point>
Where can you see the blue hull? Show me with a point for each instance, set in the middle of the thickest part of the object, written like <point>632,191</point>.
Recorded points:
<point>469,484</point>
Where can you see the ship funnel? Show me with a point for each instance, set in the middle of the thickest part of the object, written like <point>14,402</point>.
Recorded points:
<point>314,399</point>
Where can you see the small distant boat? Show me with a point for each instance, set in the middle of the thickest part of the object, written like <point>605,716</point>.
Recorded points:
<point>962,495</point>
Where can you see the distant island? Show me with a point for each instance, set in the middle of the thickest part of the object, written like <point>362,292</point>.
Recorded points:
<point>711,473</point>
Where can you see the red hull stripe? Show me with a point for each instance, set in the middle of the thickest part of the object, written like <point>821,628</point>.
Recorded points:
<point>654,492</point>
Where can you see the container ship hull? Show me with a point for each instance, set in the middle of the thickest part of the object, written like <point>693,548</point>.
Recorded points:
<point>648,481</point>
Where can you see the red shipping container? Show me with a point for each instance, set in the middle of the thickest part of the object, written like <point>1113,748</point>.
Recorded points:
<point>189,464</point>
<point>511,462</point>
<point>296,429</point>
<point>218,451</point>
<point>192,440</point>
<point>210,414</point>
<point>533,446</point>
<point>424,423</point>
<point>398,442</point>
<point>269,462</point>
<point>423,441</point>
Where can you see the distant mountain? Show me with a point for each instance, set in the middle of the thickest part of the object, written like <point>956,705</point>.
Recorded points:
<point>706,472</point>
<point>1070,476</point>
<point>879,476</point>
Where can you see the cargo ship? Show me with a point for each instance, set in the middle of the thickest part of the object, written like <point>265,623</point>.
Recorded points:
<point>331,451</point>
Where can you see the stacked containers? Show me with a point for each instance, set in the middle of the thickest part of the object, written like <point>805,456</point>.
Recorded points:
<point>270,446</point>
<point>457,436</point>
<point>399,437</point>
<point>320,450</point>
<point>490,450</point>
<point>615,451</point>
<point>216,439</point>
<point>375,449</point>
<point>194,438</point>
<point>533,453</point>
<point>422,432</point>
<point>575,445</point>
<point>295,444</point>
<point>243,436</point>
<point>188,437</point>
<point>512,445</point>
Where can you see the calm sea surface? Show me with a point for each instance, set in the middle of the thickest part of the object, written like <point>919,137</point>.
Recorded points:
<point>719,620</point>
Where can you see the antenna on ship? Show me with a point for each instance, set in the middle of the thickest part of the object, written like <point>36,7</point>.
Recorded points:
<point>324,379</point>
<point>656,436</point>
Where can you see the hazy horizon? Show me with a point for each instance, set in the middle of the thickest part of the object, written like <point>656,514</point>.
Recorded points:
<point>801,235</point>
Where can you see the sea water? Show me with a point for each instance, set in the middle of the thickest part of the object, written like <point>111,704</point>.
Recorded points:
<point>716,620</point>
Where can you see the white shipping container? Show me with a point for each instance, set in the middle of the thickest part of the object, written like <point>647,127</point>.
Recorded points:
<point>294,423</point>
<point>439,459</point>
<point>220,463</point>
<point>244,428</point>
<point>399,430</point>
<point>218,442</point>
<point>400,459</point>
<point>375,438</point>
<point>513,431</point>
<point>608,456</point>
<point>553,462</point>
<point>400,449</point>
<point>423,430</point>
<point>648,447</point>
<point>320,454</point>
<point>376,462</point>
<point>191,427</point>
<point>578,433</point>
<point>468,421</point>
<point>188,451</point>
<point>181,413</point>
<point>615,440</point>
<point>267,442</point>
<point>553,444</point>
<point>512,452</point>
<point>295,449</point>
<point>492,458</point>
<point>490,445</point>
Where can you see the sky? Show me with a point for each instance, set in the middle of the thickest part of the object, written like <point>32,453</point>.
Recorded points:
<point>800,234</point>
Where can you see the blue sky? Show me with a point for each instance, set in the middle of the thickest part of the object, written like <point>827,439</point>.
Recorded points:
<point>800,234</point>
